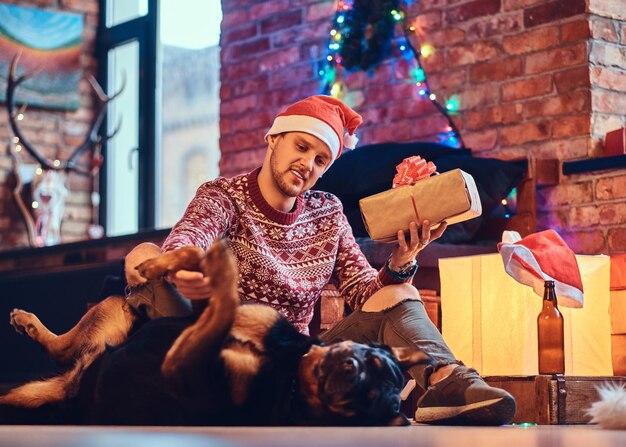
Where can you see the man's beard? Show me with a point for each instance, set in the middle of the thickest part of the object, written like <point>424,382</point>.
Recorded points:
<point>285,187</point>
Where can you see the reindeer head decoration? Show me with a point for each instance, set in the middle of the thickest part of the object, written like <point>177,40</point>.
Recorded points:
<point>47,177</point>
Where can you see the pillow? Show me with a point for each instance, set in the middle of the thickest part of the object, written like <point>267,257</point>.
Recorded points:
<point>370,169</point>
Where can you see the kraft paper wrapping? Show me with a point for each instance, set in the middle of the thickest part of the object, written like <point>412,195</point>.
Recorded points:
<point>451,196</point>
<point>489,320</point>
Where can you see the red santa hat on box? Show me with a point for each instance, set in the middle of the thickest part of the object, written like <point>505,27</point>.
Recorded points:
<point>543,256</point>
<point>324,117</point>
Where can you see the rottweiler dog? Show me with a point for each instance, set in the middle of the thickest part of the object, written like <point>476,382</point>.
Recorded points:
<point>231,365</point>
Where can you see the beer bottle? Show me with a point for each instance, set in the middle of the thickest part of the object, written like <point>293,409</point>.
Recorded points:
<point>550,334</point>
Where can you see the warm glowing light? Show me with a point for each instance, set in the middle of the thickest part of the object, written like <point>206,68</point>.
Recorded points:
<point>337,37</point>
<point>18,148</point>
<point>20,116</point>
<point>56,163</point>
<point>333,32</point>
<point>427,50</point>
<point>16,139</point>
<point>504,202</point>
<point>38,171</point>
<point>397,15</point>
<point>329,58</point>
<point>35,204</point>
<point>432,96</point>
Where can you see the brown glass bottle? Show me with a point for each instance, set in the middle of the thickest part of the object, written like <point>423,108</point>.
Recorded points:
<point>550,334</point>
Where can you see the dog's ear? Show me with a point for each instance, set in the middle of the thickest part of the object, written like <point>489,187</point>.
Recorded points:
<point>408,357</point>
<point>399,420</point>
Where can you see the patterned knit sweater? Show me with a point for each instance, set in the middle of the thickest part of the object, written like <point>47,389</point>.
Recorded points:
<point>285,259</point>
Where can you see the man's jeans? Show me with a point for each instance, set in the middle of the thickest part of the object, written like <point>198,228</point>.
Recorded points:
<point>405,324</point>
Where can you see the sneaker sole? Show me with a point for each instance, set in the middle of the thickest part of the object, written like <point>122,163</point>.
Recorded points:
<point>489,412</point>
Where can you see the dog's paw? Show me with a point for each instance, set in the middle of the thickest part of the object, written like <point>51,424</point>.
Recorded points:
<point>184,258</point>
<point>152,268</point>
<point>23,322</point>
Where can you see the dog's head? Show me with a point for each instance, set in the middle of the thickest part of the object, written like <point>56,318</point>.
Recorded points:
<point>349,383</point>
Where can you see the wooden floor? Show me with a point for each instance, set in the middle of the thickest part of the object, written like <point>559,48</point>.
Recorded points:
<point>414,436</point>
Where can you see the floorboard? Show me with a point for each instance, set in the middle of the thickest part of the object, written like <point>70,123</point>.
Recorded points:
<point>414,436</point>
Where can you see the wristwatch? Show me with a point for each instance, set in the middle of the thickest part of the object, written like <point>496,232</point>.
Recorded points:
<point>405,270</point>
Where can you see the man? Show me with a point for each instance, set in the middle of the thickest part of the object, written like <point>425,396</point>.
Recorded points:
<point>290,242</point>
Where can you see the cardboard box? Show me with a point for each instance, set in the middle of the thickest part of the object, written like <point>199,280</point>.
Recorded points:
<point>618,353</point>
<point>451,196</point>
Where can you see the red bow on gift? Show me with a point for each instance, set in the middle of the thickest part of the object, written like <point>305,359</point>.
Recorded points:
<point>413,169</point>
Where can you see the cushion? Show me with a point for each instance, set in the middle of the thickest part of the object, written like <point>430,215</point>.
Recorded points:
<point>370,169</point>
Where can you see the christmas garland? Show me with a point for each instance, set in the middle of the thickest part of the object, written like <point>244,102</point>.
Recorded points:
<point>361,38</point>
<point>367,31</point>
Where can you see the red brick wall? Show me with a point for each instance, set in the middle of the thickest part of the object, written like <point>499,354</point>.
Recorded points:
<point>538,78</point>
<point>48,129</point>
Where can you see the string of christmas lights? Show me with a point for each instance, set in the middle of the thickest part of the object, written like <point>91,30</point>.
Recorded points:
<point>361,38</point>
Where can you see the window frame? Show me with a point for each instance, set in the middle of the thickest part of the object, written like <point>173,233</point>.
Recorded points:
<point>144,30</point>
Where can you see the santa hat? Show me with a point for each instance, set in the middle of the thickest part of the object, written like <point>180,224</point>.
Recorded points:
<point>324,117</point>
<point>543,256</point>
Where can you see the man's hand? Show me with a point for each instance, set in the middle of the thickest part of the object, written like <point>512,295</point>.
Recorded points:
<point>192,285</point>
<point>405,252</point>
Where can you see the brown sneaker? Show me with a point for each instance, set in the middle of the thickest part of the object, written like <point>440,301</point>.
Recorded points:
<point>463,398</point>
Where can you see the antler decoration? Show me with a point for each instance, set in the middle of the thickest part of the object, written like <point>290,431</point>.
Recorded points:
<point>48,187</point>
<point>92,139</point>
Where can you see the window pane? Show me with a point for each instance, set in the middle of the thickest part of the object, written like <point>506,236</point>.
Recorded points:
<point>120,11</point>
<point>122,154</point>
<point>189,111</point>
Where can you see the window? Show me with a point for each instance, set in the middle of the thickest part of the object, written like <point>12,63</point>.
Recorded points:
<point>122,157</point>
<point>120,11</point>
<point>168,143</point>
<point>189,112</point>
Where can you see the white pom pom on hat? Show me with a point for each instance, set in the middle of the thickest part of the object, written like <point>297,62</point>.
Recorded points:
<point>324,117</point>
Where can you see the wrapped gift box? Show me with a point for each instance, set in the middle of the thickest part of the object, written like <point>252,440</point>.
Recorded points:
<point>451,196</point>
<point>489,320</point>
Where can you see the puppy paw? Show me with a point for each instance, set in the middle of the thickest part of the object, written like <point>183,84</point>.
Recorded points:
<point>152,268</point>
<point>23,322</point>
<point>185,258</point>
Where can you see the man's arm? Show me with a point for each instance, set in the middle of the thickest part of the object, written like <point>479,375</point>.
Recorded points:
<point>207,218</point>
<point>357,280</point>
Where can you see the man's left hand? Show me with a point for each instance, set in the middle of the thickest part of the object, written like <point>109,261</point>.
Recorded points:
<point>419,238</point>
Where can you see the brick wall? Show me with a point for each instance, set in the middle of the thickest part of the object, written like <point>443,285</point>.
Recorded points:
<point>50,130</point>
<point>538,78</point>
